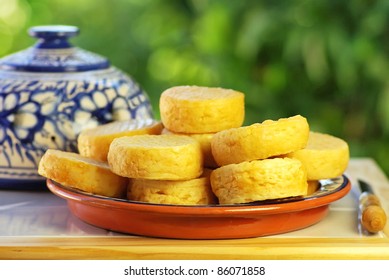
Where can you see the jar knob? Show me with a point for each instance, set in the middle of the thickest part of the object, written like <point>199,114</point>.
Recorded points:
<point>53,36</point>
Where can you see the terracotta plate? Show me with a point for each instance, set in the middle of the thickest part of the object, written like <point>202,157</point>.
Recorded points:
<point>204,222</point>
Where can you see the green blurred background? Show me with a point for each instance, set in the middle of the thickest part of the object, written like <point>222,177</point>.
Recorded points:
<point>327,60</point>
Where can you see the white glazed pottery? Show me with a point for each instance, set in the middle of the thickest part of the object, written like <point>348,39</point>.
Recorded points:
<point>52,91</point>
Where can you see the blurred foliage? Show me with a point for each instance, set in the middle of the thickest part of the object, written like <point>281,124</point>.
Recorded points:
<point>327,60</point>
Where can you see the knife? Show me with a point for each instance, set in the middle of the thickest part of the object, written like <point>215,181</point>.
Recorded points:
<point>372,215</point>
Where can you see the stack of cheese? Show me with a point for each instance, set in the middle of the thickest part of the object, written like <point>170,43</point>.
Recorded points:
<point>88,170</point>
<point>173,168</point>
<point>199,154</point>
<point>274,159</point>
<point>251,164</point>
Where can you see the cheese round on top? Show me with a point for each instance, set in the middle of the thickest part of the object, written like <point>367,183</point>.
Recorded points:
<point>94,143</point>
<point>259,180</point>
<point>260,140</point>
<point>156,157</point>
<point>193,109</point>
<point>324,157</point>
<point>75,171</point>
<point>182,192</point>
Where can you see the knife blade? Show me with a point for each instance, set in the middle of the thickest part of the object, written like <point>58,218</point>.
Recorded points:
<point>372,215</point>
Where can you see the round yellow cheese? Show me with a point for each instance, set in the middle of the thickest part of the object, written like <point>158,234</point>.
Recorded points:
<point>260,140</point>
<point>324,157</point>
<point>183,192</point>
<point>193,109</point>
<point>162,157</point>
<point>75,171</point>
<point>94,143</point>
<point>259,180</point>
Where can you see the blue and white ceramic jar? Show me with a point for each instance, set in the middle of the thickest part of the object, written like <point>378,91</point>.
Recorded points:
<point>52,91</point>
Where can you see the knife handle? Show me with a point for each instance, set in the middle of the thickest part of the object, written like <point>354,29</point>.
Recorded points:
<point>373,217</point>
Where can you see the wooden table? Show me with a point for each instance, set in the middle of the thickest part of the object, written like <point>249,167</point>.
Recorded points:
<point>38,225</point>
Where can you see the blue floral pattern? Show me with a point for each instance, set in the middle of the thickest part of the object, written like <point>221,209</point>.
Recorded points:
<point>39,114</point>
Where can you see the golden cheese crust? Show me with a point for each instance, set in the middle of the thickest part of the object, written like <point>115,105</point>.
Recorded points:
<point>75,171</point>
<point>156,157</point>
<point>259,180</point>
<point>193,109</point>
<point>183,192</point>
<point>94,143</point>
<point>325,156</point>
<point>204,140</point>
<point>260,141</point>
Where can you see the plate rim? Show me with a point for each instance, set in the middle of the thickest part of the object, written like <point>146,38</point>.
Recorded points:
<point>79,196</point>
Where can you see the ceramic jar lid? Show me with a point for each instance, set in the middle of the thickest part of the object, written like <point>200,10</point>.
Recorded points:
<point>54,53</point>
